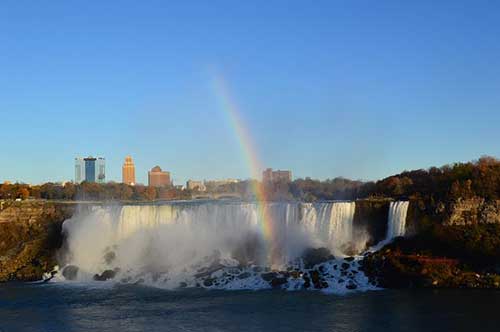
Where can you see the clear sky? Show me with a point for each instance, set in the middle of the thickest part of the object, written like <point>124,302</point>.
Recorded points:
<point>361,89</point>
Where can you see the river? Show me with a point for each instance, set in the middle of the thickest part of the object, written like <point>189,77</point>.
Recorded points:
<point>64,308</point>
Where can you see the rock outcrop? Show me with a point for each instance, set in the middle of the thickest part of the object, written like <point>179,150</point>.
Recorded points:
<point>390,268</point>
<point>370,216</point>
<point>474,210</point>
<point>30,233</point>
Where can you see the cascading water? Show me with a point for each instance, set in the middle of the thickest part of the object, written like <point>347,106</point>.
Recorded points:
<point>210,244</point>
<point>397,219</point>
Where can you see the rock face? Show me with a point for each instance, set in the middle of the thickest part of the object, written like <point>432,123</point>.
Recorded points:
<point>371,216</point>
<point>30,233</point>
<point>474,211</point>
<point>460,212</point>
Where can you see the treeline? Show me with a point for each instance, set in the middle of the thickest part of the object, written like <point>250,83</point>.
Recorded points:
<point>460,180</point>
<point>310,190</point>
<point>89,191</point>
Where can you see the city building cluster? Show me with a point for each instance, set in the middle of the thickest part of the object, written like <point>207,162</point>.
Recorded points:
<point>93,170</point>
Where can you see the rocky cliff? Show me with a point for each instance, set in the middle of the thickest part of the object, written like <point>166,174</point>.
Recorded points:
<point>453,244</point>
<point>370,216</point>
<point>30,233</point>
<point>474,210</point>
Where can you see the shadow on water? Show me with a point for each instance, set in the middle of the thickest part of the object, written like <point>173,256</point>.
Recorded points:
<point>56,308</point>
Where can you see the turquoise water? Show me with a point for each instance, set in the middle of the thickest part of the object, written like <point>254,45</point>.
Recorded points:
<point>51,308</point>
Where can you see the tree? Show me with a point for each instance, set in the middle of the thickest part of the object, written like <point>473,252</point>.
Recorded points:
<point>151,193</point>
<point>23,193</point>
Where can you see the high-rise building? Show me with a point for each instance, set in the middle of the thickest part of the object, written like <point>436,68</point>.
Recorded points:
<point>128,171</point>
<point>101,170</point>
<point>269,176</point>
<point>94,169</point>
<point>158,178</point>
<point>90,169</point>
<point>79,170</point>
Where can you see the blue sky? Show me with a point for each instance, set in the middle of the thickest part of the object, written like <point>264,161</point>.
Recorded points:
<point>361,89</point>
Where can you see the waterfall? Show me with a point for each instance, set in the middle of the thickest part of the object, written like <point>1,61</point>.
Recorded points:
<point>341,218</point>
<point>177,240</point>
<point>397,219</point>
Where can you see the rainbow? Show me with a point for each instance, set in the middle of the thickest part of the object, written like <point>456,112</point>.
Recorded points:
<point>249,154</point>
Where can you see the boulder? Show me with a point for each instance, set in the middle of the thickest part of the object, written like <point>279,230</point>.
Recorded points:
<point>268,276</point>
<point>351,285</point>
<point>312,257</point>
<point>244,275</point>
<point>307,281</point>
<point>208,282</point>
<point>315,278</point>
<point>106,275</point>
<point>277,282</point>
<point>70,272</point>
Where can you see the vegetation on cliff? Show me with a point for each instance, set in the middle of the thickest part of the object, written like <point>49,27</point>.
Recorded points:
<point>479,178</point>
<point>90,191</point>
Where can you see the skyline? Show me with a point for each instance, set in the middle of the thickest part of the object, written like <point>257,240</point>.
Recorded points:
<point>413,87</point>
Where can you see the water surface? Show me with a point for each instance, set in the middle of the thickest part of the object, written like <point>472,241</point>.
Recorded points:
<point>55,307</point>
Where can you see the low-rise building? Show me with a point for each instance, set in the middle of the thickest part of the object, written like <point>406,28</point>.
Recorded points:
<point>269,176</point>
<point>212,185</point>
<point>195,185</point>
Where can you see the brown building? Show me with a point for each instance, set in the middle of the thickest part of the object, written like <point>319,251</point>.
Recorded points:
<point>158,178</point>
<point>269,176</point>
<point>128,171</point>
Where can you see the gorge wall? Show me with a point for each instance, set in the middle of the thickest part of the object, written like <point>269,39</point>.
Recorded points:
<point>30,233</point>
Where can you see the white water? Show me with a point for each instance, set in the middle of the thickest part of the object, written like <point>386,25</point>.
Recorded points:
<point>397,219</point>
<point>173,242</point>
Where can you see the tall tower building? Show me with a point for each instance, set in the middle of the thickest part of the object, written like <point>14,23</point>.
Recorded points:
<point>90,169</point>
<point>128,171</point>
<point>79,170</point>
